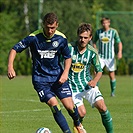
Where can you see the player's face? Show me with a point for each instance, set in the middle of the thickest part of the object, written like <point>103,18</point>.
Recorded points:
<point>106,24</point>
<point>83,39</point>
<point>50,29</point>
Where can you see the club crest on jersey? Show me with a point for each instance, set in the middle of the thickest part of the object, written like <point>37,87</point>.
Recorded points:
<point>77,67</point>
<point>74,57</point>
<point>55,44</point>
<point>85,60</point>
<point>47,53</point>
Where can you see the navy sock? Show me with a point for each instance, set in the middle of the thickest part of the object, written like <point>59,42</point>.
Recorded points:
<point>60,119</point>
<point>75,116</point>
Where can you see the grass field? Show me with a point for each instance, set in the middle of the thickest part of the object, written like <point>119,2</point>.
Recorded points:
<point>21,111</point>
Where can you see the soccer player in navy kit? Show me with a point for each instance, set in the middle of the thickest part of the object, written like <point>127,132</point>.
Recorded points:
<point>48,77</point>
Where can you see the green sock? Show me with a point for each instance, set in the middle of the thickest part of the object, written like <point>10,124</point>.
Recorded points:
<point>113,85</point>
<point>107,121</point>
<point>81,119</point>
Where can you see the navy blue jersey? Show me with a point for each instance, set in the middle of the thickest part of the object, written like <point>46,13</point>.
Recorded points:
<point>45,54</point>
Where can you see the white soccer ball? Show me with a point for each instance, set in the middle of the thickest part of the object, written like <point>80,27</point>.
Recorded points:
<point>43,130</point>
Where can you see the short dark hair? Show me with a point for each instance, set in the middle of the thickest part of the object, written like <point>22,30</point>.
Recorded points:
<point>84,27</point>
<point>105,18</point>
<point>50,18</point>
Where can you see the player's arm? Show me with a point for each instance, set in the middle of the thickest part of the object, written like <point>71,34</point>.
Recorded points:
<point>67,65</point>
<point>119,55</point>
<point>98,70</point>
<point>17,48</point>
<point>118,41</point>
<point>95,80</point>
<point>66,61</point>
<point>11,72</point>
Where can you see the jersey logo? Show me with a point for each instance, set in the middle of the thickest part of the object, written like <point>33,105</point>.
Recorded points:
<point>74,57</point>
<point>21,45</point>
<point>105,39</point>
<point>85,60</point>
<point>55,44</point>
<point>77,67</point>
<point>66,91</point>
<point>47,53</point>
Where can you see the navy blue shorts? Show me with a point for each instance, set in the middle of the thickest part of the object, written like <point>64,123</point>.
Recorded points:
<point>48,90</point>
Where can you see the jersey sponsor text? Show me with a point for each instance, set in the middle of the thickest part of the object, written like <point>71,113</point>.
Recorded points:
<point>47,53</point>
<point>77,67</point>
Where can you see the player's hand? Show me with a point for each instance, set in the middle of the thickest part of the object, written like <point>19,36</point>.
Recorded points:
<point>63,78</point>
<point>11,73</point>
<point>92,83</point>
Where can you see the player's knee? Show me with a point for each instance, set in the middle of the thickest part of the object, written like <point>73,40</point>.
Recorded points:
<point>72,111</point>
<point>100,105</point>
<point>82,112</point>
<point>102,108</point>
<point>55,108</point>
<point>69,107</point>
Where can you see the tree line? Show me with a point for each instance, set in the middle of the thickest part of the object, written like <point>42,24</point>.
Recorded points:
<point>18,18</point>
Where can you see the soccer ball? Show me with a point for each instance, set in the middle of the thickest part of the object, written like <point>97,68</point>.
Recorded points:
<point>43,130</point>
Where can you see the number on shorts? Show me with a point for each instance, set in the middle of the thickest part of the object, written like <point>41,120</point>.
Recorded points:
<point>41,93</point>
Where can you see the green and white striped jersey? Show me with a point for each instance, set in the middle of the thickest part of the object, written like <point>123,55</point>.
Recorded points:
<point>79,74</point>
<point>106,41</point>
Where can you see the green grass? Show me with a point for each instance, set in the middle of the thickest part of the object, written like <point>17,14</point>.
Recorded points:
<point>22,112</point>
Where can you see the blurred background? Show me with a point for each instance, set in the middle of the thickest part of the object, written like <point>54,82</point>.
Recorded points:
<point>18,18</point>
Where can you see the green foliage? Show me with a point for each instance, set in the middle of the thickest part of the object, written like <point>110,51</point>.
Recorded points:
<point>23,64</point>
<point>13,26</point>
<point>122,67</point>
<point>72,13</point>
<point>11,31</point>
<point>7,38</point>
<point>130,64</point>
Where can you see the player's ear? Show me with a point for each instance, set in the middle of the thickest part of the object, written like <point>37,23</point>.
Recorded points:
<point>57,25</point>
<point>90,38</point>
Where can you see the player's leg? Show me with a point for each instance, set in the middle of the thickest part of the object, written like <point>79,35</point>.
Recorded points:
<point>48,96</point>
<point>102,62</point>
<point>64,93</point>
<point>78,101</point>
<point>58,116</point>
<point>82,113</point>
<point>112,82</point>
<point>95,98</point>
<point>105,115</point>
<point>73,112</point>
<point>111,66</point>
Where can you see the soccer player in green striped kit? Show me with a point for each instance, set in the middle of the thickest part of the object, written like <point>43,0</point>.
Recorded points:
<point>80,80</point>
<point>107,37</point>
